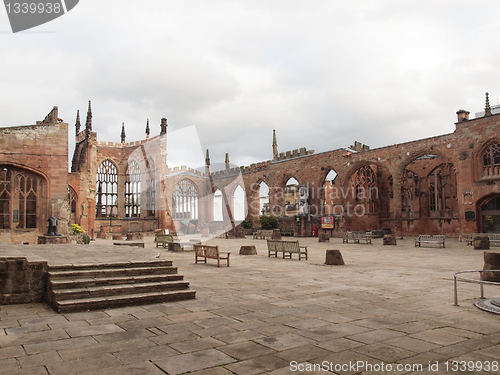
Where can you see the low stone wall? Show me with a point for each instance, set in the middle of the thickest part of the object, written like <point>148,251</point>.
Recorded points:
<point>22,281</point>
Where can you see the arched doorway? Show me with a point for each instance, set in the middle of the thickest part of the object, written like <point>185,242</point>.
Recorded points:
<point>490,215</point>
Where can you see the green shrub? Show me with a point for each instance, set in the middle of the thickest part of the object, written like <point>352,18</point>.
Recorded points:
<point>247,224</point>
<point>86,239</point>
<point>268,222</point>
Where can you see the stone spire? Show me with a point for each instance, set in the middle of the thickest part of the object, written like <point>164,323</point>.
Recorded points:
<point>163,126</point>
<point>88,124</point>
<point>77,123</point>
<point>207,158</point>
<point>487,108</point>
<point>207,168</point>
<point>227,161</point>
<point>123,133</point>
<point>275,146</point>
<point>147,129</point>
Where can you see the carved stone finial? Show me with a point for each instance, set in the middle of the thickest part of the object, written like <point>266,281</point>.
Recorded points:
<point>163,126</point>
<point>487,108</point>
<point>275,146</point>
<point>207,159</point>
<point>147,128</point>
<point>123,133</point>
<point>88,123</point>
<point>78,125</point>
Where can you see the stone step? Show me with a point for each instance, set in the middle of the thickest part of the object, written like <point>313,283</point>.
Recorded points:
<point>92,266</point>
<point>118,290</point>
<point>111,272</point>
<point>121,301</point>
<point>62,283</point>
<point>106,285</point>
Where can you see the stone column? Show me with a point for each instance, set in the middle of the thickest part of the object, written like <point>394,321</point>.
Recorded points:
<point>398,220</point>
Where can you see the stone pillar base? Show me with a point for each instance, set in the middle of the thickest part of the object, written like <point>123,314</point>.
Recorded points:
<point>248,250</point>
<point>334,258</point>
<point>389,239</point>
<point>481,243</point>
<point>53,240</point>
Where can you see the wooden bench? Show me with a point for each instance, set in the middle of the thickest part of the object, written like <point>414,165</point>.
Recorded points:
<point>437,239</point>
<point>493,237</point>
<point>163,239</point>
<point>212,252</point>
<point>357,236</point>
<point>263,234</point>
<point>285,247</point>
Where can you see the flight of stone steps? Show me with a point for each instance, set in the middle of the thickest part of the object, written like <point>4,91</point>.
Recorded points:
<point>102,286</point>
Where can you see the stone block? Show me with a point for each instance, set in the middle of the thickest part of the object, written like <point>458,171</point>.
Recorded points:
<point>175,246</point>
<point>334,258</point>
<point>248,250</point>
<point>481,243</point>
<point>134,236</point>
<point>276,235</point>
<point>324,237</point>
<point>389,239</point>
<point>491,262</point>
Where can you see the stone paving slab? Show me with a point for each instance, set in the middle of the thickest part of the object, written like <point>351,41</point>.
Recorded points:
<point>263,315</point>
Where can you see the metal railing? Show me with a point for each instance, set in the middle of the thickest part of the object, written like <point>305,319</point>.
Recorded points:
<point>481,283</point>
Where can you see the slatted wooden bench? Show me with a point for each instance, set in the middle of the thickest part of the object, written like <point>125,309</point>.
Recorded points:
<point>494,238</point>
<point>163,239</point>
<point>263,234</point>
<point>286,247</point>
<point>357,236</point>
<point>437,239</point>
<point>209,252</point>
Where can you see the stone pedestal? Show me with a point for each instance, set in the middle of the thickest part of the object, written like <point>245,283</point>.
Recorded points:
<point>53,240</point>
<point>175,246</point>
<point>248,250</point>
<point>389,239</point>
<point>134,236</point>
<point>205,232</point>
<point>334,258</point>
<point>491,262</point>
<point>324,237</point>
<point>481,243</point>
<point>117,237</point>
<point>276,235</point>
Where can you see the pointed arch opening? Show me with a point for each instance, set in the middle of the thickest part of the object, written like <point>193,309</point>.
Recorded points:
<point>291,197</point>
<point>185,201</point>
<point>331,197</point>
<point>133,190</point>
<point>107,190</point>
<point>239,204</point>
<point>218,206</point>
<point>21,193</point>
<point>264,198</point>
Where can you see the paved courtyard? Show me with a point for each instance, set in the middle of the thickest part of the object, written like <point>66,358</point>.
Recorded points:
<point>388,310</point>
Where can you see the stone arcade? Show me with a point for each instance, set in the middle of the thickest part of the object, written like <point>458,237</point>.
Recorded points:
<point>447,184</point>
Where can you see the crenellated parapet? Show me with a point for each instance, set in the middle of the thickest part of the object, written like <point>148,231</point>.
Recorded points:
<point>184,170</point>
<point>294,154</point>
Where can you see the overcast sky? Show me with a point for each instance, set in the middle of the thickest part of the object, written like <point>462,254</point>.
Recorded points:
<point>323,73</point>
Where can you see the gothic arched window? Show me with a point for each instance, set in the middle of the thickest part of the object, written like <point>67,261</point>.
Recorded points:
<point>106,190</point>
<point>19,197</point>
<point>185,201</point>
<point>491,155</point>
<point>133,190</point>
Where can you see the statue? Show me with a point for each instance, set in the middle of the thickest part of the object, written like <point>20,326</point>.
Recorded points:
<point>52,231</point>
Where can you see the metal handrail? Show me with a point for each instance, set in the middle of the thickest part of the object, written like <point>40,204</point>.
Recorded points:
<point>475,281</point>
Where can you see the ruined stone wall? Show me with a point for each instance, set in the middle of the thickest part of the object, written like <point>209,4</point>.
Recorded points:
<point>463,149</point>
<point>41,149</point>
<point>22,281</point>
